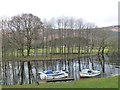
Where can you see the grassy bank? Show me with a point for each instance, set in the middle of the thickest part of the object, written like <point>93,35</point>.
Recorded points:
<point>88,83</point>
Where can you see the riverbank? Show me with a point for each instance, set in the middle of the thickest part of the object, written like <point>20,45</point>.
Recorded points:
<point>111,82</point>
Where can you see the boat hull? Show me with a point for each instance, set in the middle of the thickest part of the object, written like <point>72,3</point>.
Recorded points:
<point>87,73</point>
<point>53,75</point>
<point>89,76</point>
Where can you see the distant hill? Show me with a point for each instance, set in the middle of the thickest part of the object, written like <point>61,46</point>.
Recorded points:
<point>114,28</point>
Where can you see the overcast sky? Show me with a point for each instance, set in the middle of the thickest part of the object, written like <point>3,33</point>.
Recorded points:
<point>100,12</point>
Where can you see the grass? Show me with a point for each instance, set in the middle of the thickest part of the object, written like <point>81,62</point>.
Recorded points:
<point>53,50</point>
<point>111,82</point>
<point>55,54</point>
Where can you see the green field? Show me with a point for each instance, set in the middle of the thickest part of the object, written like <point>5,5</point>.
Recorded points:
<point>57,51</point>
<point>48,54</point>
<point>88,83</point>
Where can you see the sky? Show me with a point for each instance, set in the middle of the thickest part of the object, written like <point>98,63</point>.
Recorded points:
<point>101,12</point>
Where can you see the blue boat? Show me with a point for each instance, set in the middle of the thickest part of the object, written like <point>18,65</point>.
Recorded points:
<point>49,74</point>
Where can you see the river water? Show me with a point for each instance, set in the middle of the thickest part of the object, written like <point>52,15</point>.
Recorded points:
<point>73,68</point>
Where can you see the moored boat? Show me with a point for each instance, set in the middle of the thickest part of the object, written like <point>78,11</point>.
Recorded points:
<point>117,66</point>
<point>49,74</point>
<point>88,73</point>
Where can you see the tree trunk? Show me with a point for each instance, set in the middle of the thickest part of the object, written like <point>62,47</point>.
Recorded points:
<point>22,51</point>
<point>79,57</point>
<point>103,58</point>
<point>5,74</point>
<point>103,64</point>
<point>22,73</point>
<point>29,71</point>
<point>28,50</point>
<point>99,50</point>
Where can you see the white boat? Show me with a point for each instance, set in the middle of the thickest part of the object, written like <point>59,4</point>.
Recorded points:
<point>117,66</point>
<point>87,73</point>
<point>49,74</point>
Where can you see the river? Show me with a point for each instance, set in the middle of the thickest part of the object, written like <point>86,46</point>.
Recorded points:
<point>12,69</point>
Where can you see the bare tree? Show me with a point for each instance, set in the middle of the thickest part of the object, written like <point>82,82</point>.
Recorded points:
<point>17,32</point>
<point>23,28</point>
<point>30,24</point>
